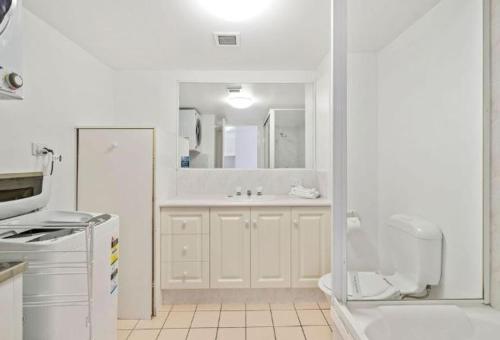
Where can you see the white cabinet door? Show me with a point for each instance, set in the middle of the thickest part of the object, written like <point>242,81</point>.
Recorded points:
<point>311,230</point>
<point>270,244</point>
<point>115,175</point>
<point>185,248</point>
<point>230,248</point>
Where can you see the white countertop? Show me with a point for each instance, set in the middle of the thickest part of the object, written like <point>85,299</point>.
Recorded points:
<point>222,201</point>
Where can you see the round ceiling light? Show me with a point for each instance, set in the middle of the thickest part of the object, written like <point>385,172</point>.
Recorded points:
<point>235,10</point>
<point>240,101</point>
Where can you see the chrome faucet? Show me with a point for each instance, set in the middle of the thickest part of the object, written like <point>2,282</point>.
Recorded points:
<point>249,192</point>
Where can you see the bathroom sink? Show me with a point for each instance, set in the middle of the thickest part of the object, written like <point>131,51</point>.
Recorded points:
<point>253,198</point>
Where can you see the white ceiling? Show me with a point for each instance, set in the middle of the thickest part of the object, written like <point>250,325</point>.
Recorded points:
<point>374,24</point>
<point>210,98</point>
<point>168,34</point>
<point>177,34</point>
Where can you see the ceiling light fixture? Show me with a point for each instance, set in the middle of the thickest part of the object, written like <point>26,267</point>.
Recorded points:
<point>240,101</point>
<point>235,10</point>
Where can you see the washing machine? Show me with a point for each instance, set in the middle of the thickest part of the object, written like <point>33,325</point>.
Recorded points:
<point>70,287</point>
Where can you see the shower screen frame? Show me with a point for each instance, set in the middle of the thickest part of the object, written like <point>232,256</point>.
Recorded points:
<point>338,63</point>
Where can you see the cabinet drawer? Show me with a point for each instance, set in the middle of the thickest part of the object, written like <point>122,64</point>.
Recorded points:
<point>184,221</point>
<point>184,275</point>
<point>188,247</point>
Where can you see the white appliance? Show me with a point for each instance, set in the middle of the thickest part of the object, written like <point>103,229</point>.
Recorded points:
<point>70,288</point>
<point>414,248</point>
<point>190,127</point>
<point>11,81</point>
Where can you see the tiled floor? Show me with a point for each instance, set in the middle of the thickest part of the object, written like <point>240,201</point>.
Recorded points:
<point>304,321</point>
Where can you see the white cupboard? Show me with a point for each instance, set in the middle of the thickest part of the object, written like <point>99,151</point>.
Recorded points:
<point>116,175</point>
<point>311,230</point>
<point>230,248</point>
<point>244,247</point>
<point>270,247</point>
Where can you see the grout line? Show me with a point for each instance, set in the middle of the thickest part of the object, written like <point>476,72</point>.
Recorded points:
<point>300,322</point>
<point>272,321</point>
<point>245,327</point>
<point>164,321</point>
<point>324,317</point>
<point>245,336</point>
<point>218,320</point>
<point>192,319</point>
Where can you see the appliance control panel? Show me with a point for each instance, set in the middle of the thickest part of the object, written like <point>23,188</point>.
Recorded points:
<point>11,79</point>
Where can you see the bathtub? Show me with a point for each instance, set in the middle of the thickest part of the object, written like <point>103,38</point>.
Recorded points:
<point>425,322</point>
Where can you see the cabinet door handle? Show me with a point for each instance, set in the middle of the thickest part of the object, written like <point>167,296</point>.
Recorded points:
<point>247,224</point>
<point>184,223</point>
<point>185,249</point>
<point>255,224</point>
<point>295,223</point>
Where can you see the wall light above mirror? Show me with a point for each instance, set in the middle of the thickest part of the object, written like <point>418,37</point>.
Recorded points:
<point>246,125</point>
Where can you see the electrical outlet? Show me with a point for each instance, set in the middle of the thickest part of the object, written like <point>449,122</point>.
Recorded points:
<point>37,149</point>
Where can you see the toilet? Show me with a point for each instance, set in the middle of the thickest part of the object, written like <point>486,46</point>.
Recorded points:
<point>414,246</point>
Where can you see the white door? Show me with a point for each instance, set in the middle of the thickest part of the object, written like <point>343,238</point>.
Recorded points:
<point>230,248</point>
<point>115,175</point>
<point>270,247</point>
<point>310,245</point>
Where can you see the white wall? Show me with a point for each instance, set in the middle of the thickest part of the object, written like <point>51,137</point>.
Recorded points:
<point>430,135</point>
<point>495,166</point>
<point>324,126</point>
<point>64,87</point>
<point>362,149</point>
<point>323,115</point>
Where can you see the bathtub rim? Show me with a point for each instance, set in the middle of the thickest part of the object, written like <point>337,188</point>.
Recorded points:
<point>343,317</point>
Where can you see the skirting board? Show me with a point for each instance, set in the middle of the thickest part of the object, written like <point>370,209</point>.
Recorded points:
<point>264,295</point>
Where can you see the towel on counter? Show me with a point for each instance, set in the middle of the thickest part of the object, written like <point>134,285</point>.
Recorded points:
<point>300,191</point>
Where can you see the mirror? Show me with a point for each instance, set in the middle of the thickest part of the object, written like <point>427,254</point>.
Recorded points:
<point>246,126</point>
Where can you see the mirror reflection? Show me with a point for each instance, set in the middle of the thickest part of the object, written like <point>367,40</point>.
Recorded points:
<point>245,126</point>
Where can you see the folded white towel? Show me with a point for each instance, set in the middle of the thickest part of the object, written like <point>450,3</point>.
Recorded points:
<point>300,191</point>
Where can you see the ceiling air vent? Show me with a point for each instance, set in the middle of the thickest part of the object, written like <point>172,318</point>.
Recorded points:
<point>227,39</point>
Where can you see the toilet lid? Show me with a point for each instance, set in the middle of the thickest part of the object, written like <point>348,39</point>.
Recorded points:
<point>363,286</point>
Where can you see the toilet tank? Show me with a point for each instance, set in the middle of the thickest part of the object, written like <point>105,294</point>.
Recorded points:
<point>415,249</point>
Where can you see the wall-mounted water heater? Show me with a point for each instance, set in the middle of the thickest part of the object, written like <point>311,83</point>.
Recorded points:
<point>11,80</point>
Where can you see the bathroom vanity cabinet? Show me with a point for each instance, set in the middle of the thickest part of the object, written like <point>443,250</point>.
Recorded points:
<point>250,247</point>
<point>311,239</point>
<point>185,248</point>
<point>244,247</point>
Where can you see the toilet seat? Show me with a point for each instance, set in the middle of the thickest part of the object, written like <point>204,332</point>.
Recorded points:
<point>363,286</point>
